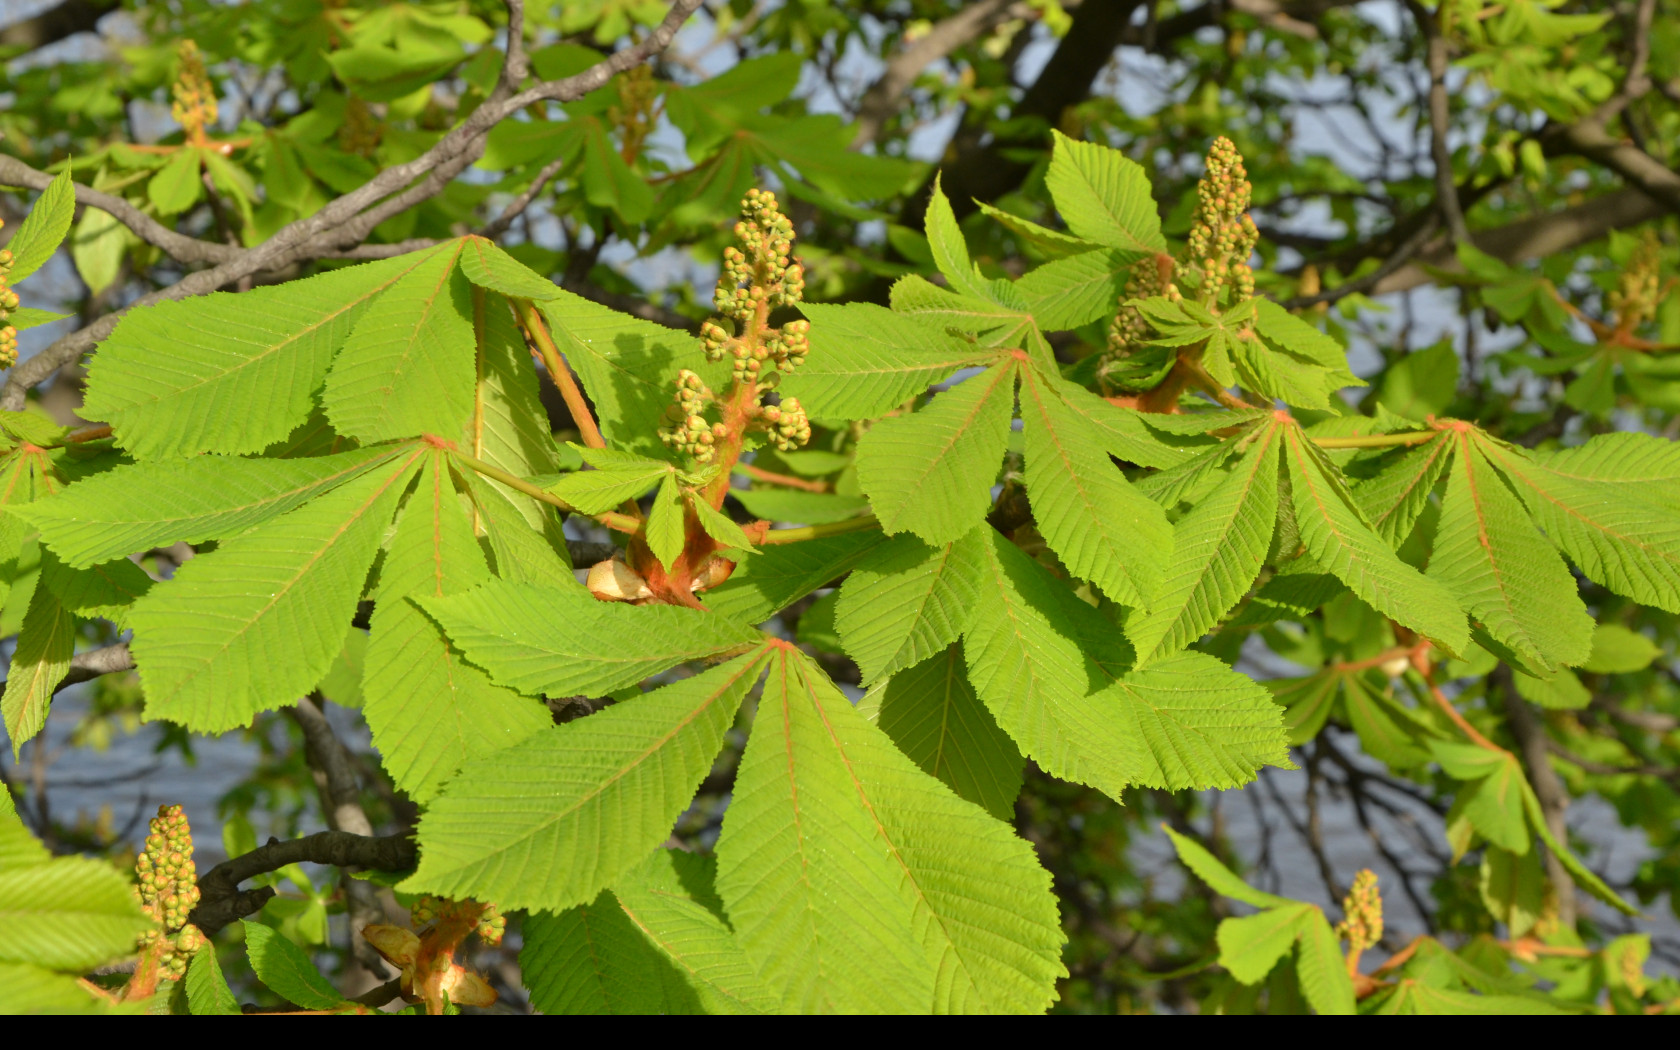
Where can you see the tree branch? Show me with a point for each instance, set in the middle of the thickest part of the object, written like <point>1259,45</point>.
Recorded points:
<point>886,95</point>
<point>347,220</point>
<point>1440,118</point>
<point>55,23</point>
<point>221,900</point>
<point>14,172</point>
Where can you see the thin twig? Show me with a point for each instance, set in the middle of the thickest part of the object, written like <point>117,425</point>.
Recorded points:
<point>222,902</point>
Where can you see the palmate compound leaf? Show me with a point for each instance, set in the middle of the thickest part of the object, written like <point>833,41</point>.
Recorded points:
<point>256,623</point>
<point>903,603</point>
<point>931,713</point>
<point>407,367</point>
<point>594,959</point>
<point>1337,535</point>
<point>148,505</point>
<point>856,882</point>
<point>430,711</point>
<point>1504,573</point>
<point>1103,530</point>
<point>547,640</point>
<point>931,472</point>
<point>229,373</point>
<point>1035,655</point>
<point>1395,498</point>
<point>551,822</point>
<point>867,360</point>
<point>1218,548</point>
<point>1609,530</point>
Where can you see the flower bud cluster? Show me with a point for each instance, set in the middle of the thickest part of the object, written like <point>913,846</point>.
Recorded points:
<point>789,426</point>
<point>1363,921</point>
<point>8,303</point>
<point>1148,278</point>
<point>686,427</point>
<point>761,272</point>
<point>194,106</point>
<point>1636,297</point>
<point>168,891</point>
<point>490,925</point>
<point>1223,236</point>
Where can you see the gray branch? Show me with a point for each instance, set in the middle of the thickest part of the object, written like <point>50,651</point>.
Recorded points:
<point>221,901</point>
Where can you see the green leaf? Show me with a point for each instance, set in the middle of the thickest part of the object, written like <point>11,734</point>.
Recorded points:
<point>280,596</point>
<point>407,367</point>
<point>720,526</point>
<point>1385,733</point>
<point>42,659</point>
<point>1218,549</point>
<point>866,360</point>
<point>931,471</point>
<point>98,247</point>
<point>1129,435</point>
<point>1638,465</point>
<point>904,603</point>
<point>1064,294</point>
<point>671,899</point>
<point>1322,969</point>
<point>1218,877</point>
<point>595,491</point>
<point>932,714</point>
<point>521,554</point>
<point>207,989</point>
<point>135,508</point>
<point>18,848</point>
<point>782,574</point>
<point>1618,650</point>
<point>176,186</point>
<point>551,822</point>
<point>429,710</point>
<point>592,959</point>
<point>1249,947</point>
<point>608,182</point>
<point>68,913</point>
<point>1393,500</point>
<point>544,641</point>
<point>806,508</point>
<point>628,366</point>
<point>1033,677</point>
<point>950,250</point>
<point>44,228</point>
<point>1284,331</point>
<point>811,888</point>
<point>1619,540</point>
<point>1492,801</point>
<point>509,427</point>
<point>487,266</point>
<point>1504,573</point>
<point>1337,535</point>
<point>666,522</point>
<point>1422,383</point>
<point>1103,529</point>
<point>1584,876</point>
<point>229,373</point>
<point>26,317</point>
<point>1200,723</point>
<point>1103,196</point>
<point>287,970</point>
<point>830,810</point>
<point>1513,888</point>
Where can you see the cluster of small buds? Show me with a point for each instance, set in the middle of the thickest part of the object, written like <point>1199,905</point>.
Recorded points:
<point>194,106</point>
<point>8,303</point>
<point>492,924</point>
<point>1362,924</point>
<point>168,891</point>
<point>1636,297</point>
<point>360,133</point>
<point>634,115</point>
<point>1223,236</point>
<point>686,427</point>
<point>761,273</point>
<point>789,426</point>
<point>1148,278</point>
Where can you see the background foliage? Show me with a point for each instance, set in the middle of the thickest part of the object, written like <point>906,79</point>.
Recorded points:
<point>1464,279</point>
